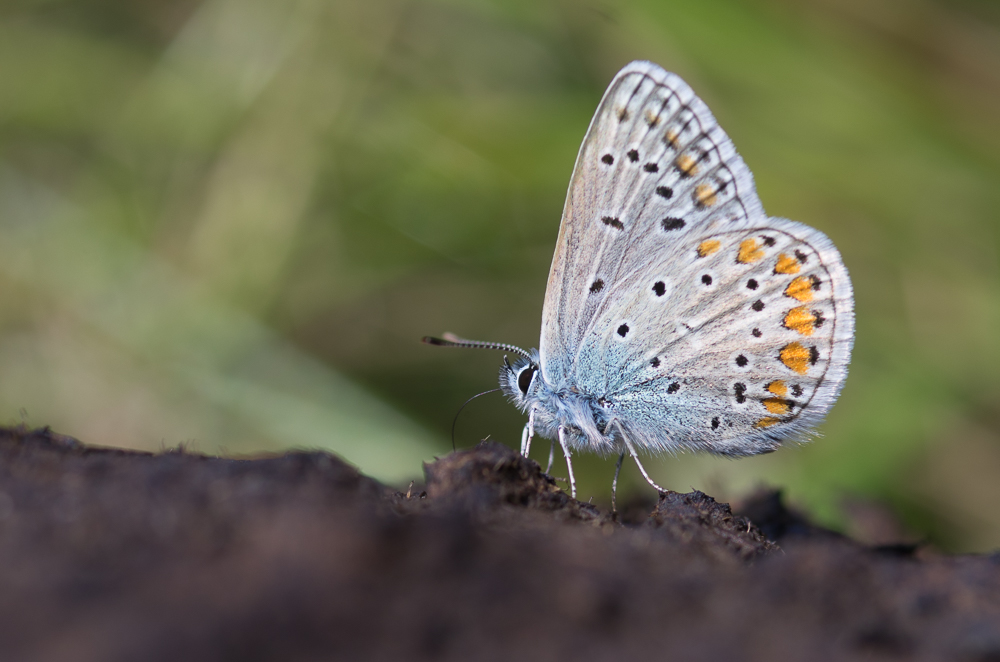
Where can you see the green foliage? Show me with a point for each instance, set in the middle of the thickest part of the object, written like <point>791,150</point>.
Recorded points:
<point>229,222</point>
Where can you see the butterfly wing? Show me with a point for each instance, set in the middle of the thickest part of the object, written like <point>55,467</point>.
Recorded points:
<point>649,303</point>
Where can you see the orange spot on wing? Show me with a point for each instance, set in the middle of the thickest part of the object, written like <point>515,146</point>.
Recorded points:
<point>778,406</point>
<point>778,388</point>
<point>651,118</point>
<point>671,138</point>
<point>800,289</point>
<point>687,165</point>
<point>787,265</point>
<point>750,251</point>
<point>795,357</point>
<point>704,195</point>
<point>801,320</point>
<point>708,247</point>
<point>766,422</point>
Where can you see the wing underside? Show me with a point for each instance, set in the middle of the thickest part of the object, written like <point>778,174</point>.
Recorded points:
<point>702,322</point>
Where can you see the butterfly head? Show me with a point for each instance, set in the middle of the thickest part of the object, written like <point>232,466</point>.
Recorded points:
<point>521,380</point>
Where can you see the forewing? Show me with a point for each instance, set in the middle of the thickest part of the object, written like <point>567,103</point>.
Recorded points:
<point>654,168</point>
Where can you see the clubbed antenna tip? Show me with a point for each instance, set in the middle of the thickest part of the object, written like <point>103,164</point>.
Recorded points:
<point>451,340</point>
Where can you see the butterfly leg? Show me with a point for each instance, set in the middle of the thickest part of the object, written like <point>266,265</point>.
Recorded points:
<point>614,483</point>
<point>528,433</point>
<point>642,469</point>
<point>552,456</point>
<point>569,463</point>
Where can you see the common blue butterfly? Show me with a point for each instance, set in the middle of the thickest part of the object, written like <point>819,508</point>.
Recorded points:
<point>678,315</point>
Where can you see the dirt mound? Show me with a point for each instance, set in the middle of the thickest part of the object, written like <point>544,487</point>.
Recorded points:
<point>113,555</point>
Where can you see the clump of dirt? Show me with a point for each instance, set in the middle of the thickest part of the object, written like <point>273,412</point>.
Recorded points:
<point>113,555</point>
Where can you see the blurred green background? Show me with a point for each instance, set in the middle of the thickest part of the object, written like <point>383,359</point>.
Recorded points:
<point>227,223</point>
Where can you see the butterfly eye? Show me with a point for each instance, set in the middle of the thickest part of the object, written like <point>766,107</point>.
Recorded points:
<point>525,377</point>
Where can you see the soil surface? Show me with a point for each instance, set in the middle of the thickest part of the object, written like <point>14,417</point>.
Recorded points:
<point>114,555</point>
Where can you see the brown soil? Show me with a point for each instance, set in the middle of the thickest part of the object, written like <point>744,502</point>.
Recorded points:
<point>113,555</point>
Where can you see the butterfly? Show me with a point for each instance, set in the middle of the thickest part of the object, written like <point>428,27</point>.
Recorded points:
<point>678,315</point>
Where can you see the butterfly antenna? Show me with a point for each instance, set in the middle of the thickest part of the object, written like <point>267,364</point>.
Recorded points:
<point>455,422</point>
<point>451,340</point>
